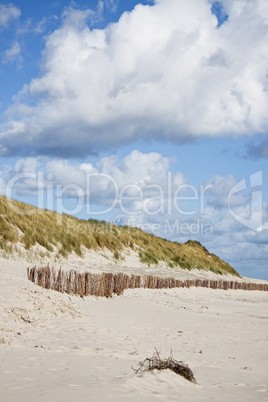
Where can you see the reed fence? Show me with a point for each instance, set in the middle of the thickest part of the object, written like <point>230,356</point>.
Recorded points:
<point>107,284</point>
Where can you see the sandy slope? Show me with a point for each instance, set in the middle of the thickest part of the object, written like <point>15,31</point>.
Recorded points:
<point>56,347</point>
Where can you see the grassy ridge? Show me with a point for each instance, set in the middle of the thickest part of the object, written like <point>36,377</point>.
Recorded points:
<point>64,234</point>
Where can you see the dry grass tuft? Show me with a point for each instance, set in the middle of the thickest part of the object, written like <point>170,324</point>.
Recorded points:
<point>156,363</point>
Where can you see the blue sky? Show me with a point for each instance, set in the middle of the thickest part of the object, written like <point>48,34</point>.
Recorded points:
<point>149,113</point>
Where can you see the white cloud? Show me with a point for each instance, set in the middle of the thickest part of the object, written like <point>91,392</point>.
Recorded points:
<point>13,54</point>
<point>8,12</point>
<point>218,190</point>
<point>76,18</point>
<point>163,71</point>
<point>42,25</point>
<point>110,179</point>
<point>111,4</point>
<point>29,165</point>
<point>100,7</point>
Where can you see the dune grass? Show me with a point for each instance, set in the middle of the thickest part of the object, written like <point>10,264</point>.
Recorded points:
<point>64,234</point>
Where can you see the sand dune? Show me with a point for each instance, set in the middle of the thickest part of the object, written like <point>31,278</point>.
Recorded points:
<point>56,347</point>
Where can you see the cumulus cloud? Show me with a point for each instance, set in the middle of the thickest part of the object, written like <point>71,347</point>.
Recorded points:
<point>218,189</point>
<point>8,12</point>
<point>242,251</point>
<point>137,173</point>
<point>76,18</point>
<point>165,71</point>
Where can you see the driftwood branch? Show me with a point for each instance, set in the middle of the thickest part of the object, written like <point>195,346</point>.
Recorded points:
<point>156,363</point>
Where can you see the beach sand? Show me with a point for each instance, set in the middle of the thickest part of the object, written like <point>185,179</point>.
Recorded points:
<point>57,347</point>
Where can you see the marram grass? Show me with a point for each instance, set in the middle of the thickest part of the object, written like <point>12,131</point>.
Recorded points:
<point>63,234</point>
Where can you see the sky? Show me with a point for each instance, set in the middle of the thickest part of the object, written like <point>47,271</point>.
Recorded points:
<point>143,113</point>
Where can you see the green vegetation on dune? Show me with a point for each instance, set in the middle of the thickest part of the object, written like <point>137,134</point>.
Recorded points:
<point>20,222</point>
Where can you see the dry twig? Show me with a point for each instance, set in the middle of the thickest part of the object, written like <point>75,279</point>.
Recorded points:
<point>156,363</point>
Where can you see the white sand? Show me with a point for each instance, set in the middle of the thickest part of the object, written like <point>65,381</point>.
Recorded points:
<point>56,347</point>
